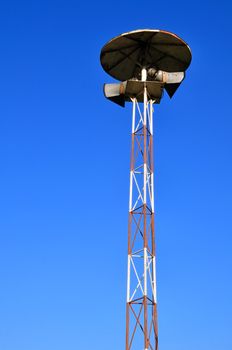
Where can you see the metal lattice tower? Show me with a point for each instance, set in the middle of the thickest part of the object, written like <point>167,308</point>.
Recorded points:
<point>146,62</point>
<point>141,275</point>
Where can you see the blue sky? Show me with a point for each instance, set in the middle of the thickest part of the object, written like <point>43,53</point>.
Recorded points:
<point>64,153</point>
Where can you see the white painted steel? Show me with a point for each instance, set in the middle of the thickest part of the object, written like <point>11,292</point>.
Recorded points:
<point>144,74</point>
<point>145,164</point>
<point>128,278</point>
<point>131,191</point>
<point>144,183</point>
<point>151,116</point>
<point>154,278</point>
<point>141,117</point>
<point>137,287</point>
<point>136,274</point>
<point>133,115</point>
<point>145,106</point>
<point>145,271</point>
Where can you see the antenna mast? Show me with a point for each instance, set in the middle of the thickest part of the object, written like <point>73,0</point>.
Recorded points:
<point>146,62</point>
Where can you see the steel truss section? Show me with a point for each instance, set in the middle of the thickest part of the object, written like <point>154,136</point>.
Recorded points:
<point>141,314</point>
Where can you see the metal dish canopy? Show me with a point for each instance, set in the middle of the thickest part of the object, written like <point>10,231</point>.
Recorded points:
<point>153,58</point>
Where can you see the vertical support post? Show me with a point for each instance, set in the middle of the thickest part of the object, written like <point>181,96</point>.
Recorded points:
<point>145,176</point>
<point>141,314</point>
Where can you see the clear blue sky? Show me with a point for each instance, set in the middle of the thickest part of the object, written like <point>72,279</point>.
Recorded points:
<point>64,177</point>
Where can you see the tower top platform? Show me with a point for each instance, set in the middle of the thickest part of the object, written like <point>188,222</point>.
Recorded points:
<point>124,56</point>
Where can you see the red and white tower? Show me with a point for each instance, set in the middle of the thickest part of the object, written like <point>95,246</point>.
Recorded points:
<point>147,62</point>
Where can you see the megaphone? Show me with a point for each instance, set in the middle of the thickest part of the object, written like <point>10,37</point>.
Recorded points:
<point>158,80</point>
<point>172,80</point>
<point>115,92</point>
